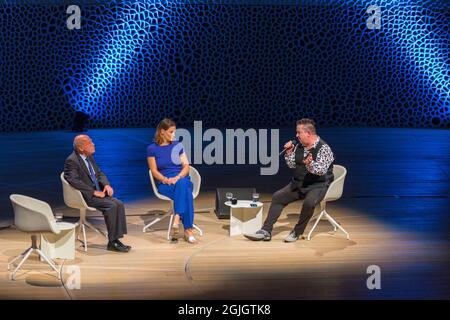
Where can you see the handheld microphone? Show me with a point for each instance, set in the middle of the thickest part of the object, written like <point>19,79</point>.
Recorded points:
<point>294,142</point>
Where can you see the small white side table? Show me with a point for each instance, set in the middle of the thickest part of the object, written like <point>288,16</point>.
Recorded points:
<point>62,245</point>
<point>244,218</point>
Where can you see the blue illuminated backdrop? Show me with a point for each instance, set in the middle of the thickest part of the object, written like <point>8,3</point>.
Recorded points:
<point>240,63</point>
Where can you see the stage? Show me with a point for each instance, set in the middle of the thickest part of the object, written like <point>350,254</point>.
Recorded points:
<point>395,206</point>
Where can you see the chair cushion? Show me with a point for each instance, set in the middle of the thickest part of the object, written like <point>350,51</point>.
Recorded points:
<point>66,225</point>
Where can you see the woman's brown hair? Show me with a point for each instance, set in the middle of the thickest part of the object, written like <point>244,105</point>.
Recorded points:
<point>165,124</point>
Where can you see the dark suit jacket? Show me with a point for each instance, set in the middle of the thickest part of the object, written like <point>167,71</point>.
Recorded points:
<point>77,175</point>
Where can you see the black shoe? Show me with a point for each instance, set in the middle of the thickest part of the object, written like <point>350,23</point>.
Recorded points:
<point>123,245</point>
<point>115,246</point>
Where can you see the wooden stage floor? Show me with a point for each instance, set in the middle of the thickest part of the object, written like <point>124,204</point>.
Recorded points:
<point>395,207</point>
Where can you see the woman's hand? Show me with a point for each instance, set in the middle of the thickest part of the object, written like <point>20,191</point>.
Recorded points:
<point>173,180</point>
<point>165,180</point>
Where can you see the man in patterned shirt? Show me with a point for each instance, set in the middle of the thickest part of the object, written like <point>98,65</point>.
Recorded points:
<point>312,165</point>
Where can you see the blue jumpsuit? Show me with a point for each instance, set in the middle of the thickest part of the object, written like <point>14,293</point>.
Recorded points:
<point>169,165</point>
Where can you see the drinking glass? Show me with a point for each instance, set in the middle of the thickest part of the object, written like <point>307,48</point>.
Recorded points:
<point>229,196</point>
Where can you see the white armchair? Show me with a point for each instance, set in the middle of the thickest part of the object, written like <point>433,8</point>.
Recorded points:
<point>196,180</point>
<point>74,199</point>
<point>36,218</point>
<point>334,192</point>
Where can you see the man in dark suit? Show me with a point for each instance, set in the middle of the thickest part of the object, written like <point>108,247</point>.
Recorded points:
<point>82,173</point>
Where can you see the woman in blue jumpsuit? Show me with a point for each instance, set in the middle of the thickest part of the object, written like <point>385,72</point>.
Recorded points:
<point>169,166</point>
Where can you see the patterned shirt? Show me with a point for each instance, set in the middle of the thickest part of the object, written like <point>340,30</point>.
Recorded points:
<point>320,165</point>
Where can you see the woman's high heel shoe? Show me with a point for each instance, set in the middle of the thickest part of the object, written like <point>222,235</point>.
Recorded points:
<point>190,239</point>
<point>175,230</point>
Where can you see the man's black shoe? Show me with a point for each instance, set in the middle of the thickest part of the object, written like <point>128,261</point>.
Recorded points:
<point>123,245</point>
<point>115,246</point>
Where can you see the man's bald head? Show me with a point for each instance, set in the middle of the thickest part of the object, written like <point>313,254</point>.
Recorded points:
<point>83,145</point>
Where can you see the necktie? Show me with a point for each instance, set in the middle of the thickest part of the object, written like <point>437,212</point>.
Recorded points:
<point>93,177</point>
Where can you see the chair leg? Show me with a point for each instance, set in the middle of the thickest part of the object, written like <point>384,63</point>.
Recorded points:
<point>315,224</point>
<point>336,224</point>
<point>82,228</point>
<point>198,229</point>
<point>90,226</point>
<point>316,215</point>
<point>78,232</point>
<point>18,257</point>
<point>170,226</point>
<point>13,276</point>
<point>204,210</point>
<point>27,255</point>
<point>82,224</point>
<point>155,221</point>
<point>49,262</point>
<point>84,237</point>
<point>324,217</point>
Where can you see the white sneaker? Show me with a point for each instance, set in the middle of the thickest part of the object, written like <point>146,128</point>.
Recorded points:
<point>292,237</point>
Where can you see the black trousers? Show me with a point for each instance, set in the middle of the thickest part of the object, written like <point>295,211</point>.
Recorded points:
<point>284,196</point>
<point>114,213</point>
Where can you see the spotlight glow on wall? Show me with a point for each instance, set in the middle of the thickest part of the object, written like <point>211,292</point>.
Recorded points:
<point>131,29</point>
